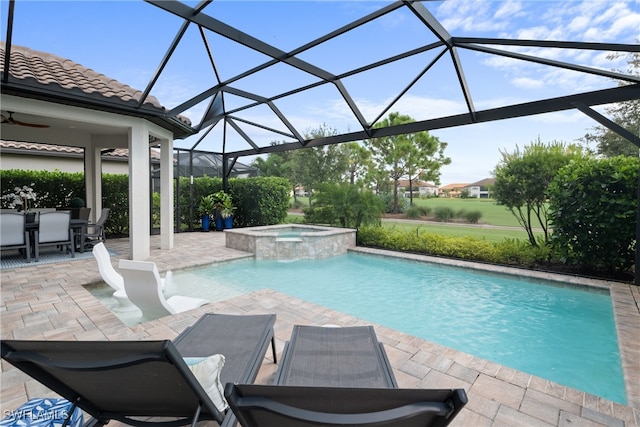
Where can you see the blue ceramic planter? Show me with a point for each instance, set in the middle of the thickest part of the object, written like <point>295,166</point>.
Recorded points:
<point>206,222</point>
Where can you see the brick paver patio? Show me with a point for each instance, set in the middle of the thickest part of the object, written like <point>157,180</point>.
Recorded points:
<point>50,302</point>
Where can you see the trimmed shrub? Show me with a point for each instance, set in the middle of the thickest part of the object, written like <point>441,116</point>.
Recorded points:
<point>472,217</point>
<point>444,213</point>
<point>593,205</point>
<point>509,252</point>
<point>413,212</point>
<point>260,200</point>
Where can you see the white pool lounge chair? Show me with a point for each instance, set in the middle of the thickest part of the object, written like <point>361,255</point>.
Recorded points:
<point>114,279</point>
<point>110,275</point>
<point>143,286</point>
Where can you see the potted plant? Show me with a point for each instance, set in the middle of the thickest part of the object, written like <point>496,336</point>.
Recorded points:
<point>75,205</point>
<point>224,210</point>
<point>206,209</point>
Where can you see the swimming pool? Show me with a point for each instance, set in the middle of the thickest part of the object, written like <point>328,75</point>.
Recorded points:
<point>563,333</point>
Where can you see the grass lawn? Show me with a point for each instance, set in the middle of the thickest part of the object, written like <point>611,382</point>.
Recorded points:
<point>492,213</point>
<point>489,234</point>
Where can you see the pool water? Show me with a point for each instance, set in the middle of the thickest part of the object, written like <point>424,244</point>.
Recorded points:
<point>563,333</point>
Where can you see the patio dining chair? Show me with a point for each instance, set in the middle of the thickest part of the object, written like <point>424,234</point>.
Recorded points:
<point>95,232</point>
<point>54,229</point>
<point>13,232</point>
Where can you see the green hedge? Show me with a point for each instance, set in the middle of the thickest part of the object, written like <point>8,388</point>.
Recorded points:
<point>509,251</point>
<point>53,189</point>
<point>258,201</point>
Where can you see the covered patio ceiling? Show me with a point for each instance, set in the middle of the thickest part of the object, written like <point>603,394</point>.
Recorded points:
<point>240,110</point>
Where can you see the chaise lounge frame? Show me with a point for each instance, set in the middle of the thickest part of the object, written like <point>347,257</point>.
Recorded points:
<point>339,376</point>
<point>144,383</point>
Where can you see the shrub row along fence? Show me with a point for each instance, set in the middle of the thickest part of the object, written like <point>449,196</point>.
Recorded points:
<point>257,201</point>
<point>443,214</point>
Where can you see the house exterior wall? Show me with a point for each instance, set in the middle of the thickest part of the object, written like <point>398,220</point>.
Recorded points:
<point>31,161</point>
<point>478,191</point>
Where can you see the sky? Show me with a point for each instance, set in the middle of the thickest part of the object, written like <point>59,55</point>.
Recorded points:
<point>126,40</point>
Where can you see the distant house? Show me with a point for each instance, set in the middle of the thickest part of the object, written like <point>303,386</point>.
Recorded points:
<point>452,190</point>
<point>419,188</point>
<point>481,189</point>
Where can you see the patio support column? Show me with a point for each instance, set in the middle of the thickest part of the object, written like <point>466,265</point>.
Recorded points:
<point>139,192</point>
<point>93,180</point>
<point>166,194</point>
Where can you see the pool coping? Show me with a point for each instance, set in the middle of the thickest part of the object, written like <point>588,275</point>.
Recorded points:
<point>626,313</point>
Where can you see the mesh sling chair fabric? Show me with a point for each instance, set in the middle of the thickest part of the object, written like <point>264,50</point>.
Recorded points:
<point>132,381</point>
<point>339,376</point>
<point>13,233</point>
<point>343,357</point>
<point>54,229</point>
<point>298,406</point>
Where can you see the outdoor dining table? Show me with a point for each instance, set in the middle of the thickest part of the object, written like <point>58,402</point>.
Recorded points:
<point>78,226</point>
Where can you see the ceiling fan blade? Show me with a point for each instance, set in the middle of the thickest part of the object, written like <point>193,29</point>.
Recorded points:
<point>10,120</point>
<point>33,125</point>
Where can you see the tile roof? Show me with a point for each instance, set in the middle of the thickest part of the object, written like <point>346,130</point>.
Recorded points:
<point>33,67</point>
<point>484,182</point>
<point>122,153</point>
<point>415,183</point>
<point>453,186</point>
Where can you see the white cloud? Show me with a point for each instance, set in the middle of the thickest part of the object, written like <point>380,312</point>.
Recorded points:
<point>527,83</point>
<point>508,10</point>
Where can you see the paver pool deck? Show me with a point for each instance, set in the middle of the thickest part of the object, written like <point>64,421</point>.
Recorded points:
<point>50,302</point>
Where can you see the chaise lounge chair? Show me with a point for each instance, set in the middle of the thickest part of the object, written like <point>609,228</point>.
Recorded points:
<point>114,279</point>
<point>339,376</point>
<point>143,287</point>
<point>145,383</point>
<point>110,275</point>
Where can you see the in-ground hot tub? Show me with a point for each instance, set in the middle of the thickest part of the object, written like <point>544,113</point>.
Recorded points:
<point>291,241</point>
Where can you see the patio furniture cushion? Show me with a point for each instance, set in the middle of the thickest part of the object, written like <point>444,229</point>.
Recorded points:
<point>127,380</point>
<point>207,372</point>
<point>44,412</point>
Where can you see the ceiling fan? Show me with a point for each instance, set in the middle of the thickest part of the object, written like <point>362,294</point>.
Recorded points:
<point>11,121</point>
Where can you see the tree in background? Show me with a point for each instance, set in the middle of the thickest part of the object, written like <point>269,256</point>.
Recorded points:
<point>317,165</point>
<point>417,154</point>
<point>523,179</point>
<point>358,161</point>
<point>593,213</point>
<point>625,114</point>
<point>278,165</point>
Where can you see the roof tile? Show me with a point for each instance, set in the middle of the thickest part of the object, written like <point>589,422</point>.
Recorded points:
<point>52,70</point>
<point>49,69</point>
